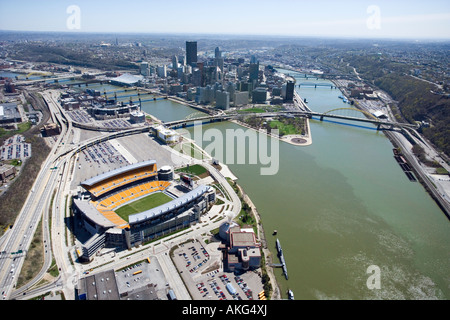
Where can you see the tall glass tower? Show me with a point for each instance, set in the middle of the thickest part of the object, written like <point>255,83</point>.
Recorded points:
<point>191,52</point>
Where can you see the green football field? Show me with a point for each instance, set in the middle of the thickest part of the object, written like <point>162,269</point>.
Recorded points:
<point>149,202</point>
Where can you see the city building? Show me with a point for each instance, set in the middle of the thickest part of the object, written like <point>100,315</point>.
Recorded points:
<point>9,113</point>
<point>175,63</point>
<point>166,135</point>
<point>51,129</point>
<point>6,172</point>
<point>259,95</point>
<point>191,52</point>
<point>137,117</point>
<point>289,91</point>
<point>240,98</point>
<point>223,100</point>
<point>242,251</point>
<point>144,68</point>
<point>161,71</point>
<point>99,286</point>
<point>254,71</point>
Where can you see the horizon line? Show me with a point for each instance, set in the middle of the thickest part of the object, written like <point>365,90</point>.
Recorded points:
<point>336,37</point>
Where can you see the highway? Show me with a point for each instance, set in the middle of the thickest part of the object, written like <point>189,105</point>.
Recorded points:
<point>19,238</point>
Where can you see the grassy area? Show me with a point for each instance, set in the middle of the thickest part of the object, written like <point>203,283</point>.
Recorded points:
<point>21,127</point>
<point>196,170</point>
<point>441,170</point>
<point>284,129</point>
<point>34,259</point>
<point>286,126</point>
<point>149,202</point>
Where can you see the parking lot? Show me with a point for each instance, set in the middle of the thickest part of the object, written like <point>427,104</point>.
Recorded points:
<point>80,116</point>
<point>99,158</point>
<point>15,148</point>
<point>200,266</point>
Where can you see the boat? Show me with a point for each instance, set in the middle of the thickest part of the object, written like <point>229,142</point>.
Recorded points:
<point>290,295</point>
<point>281,256</point>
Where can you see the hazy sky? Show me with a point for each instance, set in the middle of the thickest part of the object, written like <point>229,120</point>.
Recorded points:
<point>359,18</point>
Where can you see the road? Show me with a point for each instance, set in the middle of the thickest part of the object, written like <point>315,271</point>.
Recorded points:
<point>19,238</point>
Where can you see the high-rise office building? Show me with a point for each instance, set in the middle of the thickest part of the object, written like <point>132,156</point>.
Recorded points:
<point>223,100</point>
<point>254,71</point>
<point>197,77</point>
<point>161,71</point>
<point>144,69</point>
<point>191,52</point>
<point>259,95</point>
<point>289,91</point>
<point>218,60</point>
<point>174,62</point>
<point>217,53</point>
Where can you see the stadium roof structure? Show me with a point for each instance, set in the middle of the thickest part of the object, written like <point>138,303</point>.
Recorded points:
<point>164,208</point>
<point>104,176</point>
<point>128,79</point>
<point>93,214</point>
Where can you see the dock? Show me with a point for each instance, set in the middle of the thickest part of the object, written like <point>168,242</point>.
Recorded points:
<point>404,165</point>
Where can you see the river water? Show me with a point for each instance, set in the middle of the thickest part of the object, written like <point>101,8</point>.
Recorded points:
<point>340,205</point>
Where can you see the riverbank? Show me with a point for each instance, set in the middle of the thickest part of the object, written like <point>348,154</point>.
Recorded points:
<point>298,139</point>
<point>268,260</point>
<point>227,173</point>
<point>295,139</point>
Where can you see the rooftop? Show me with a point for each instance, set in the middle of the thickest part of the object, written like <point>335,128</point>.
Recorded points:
<point>94,180</point>
<point>128,79</point>
<point>243,239</point>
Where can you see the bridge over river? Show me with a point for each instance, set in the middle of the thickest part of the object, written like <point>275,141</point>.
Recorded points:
<point>381,124</point>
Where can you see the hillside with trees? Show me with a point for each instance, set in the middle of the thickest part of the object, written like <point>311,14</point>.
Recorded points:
<point>418,100</point>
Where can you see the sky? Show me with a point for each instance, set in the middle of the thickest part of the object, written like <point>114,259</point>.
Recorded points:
<point>325,18</point>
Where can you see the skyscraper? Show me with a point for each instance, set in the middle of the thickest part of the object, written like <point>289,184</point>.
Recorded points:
<point>217,53</point>
<point>175,63</point>
<point>290,91</point>
<point>218,60</point>
<point>191,52</point>
<point>254,71</point>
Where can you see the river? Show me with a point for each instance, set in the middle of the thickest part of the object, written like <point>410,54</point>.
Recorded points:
<point>342,205</point>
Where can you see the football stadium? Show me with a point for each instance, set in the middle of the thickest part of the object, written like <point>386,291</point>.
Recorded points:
<point>135,204</point>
